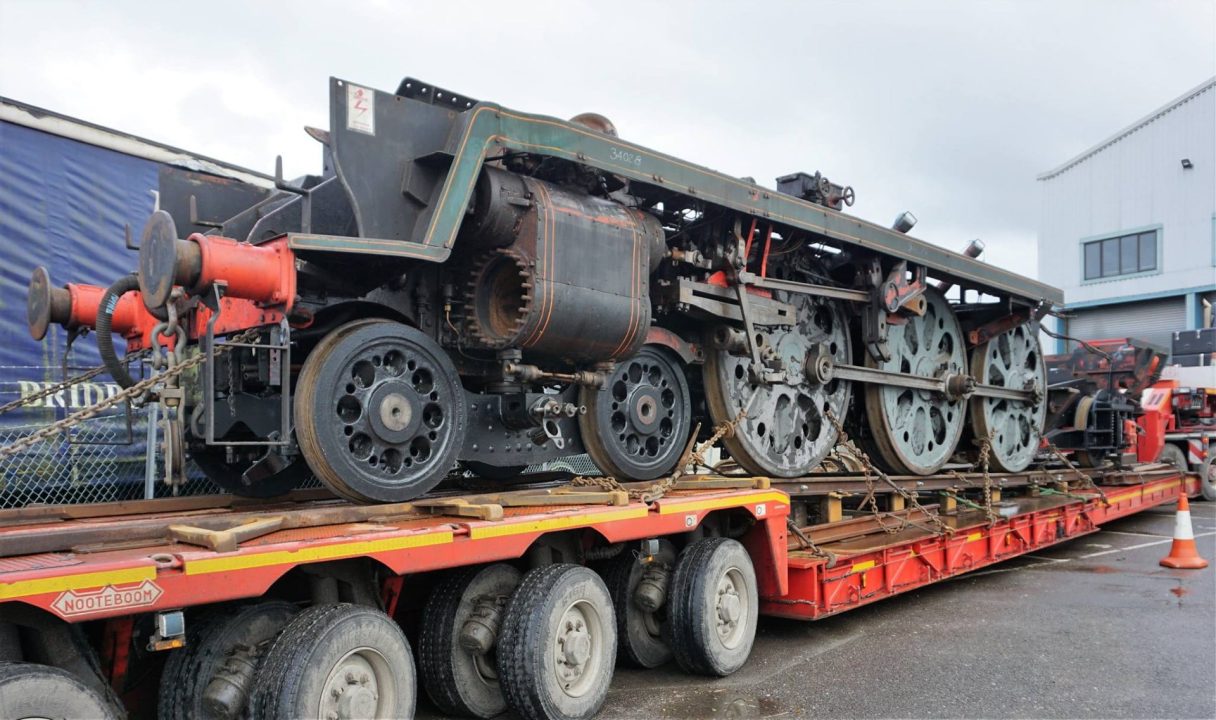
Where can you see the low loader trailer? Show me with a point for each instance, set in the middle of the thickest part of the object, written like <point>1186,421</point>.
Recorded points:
<point>308,606</point>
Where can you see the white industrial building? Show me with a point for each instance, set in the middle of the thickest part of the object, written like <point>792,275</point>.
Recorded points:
<point>1128,227</point>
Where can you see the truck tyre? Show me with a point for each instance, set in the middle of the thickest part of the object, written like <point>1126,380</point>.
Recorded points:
<point>1207,475</point>
<point>714,607</point>
<point>336,661</point>
<point>461,680</point>
<point>28,690</point>
<point>190,670</point>
<point>558,644</point>
<point>639,631</point>
<point>1171,454</point>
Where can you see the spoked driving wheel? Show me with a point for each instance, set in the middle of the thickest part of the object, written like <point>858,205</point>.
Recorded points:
<point>785,431</point>
<point>915,431</point>
<point>1011,360</point>
<point>637,424</point>
<point>380,413</point>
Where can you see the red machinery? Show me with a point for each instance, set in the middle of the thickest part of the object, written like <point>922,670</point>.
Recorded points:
<point>1108,399</point>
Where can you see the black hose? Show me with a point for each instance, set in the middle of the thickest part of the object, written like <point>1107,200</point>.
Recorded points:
<point>105,337</point>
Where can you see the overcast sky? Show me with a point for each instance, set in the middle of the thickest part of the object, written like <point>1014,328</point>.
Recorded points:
<point>948,109</point>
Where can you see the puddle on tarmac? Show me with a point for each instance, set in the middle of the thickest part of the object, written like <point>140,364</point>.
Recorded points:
<point>721,704</point>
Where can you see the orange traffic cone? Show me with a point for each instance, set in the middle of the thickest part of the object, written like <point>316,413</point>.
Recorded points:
<point>1183,553</point>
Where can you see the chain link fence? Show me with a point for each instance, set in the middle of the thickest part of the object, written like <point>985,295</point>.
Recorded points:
<point>102,459</point>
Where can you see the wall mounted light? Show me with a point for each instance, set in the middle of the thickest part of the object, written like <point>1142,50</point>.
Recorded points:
<point>1187,164</point>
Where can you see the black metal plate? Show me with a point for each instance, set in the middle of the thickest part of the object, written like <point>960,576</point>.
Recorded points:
<point>157,259</point>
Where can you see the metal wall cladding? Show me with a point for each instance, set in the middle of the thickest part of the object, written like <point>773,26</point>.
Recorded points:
<point>1137,183</point>
<point>1152,320</point>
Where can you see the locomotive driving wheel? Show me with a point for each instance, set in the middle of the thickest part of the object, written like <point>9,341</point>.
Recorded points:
<point>1011,360</point>
<point>785,430</point>
<point>380,413</point>
<point>915,431</point>
<point>637,424</point>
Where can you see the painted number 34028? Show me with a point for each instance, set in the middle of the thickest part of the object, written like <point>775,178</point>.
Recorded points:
<point>624,156</point>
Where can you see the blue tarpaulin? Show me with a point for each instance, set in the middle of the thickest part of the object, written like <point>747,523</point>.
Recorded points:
<point>63,205</point>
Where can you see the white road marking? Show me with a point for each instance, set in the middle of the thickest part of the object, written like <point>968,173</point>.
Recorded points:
<point>1044,560</point>
<point>1136,534</point>
<point>1137,547</point>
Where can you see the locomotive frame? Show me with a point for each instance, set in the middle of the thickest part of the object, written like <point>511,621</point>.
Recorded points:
<point>610,296</point>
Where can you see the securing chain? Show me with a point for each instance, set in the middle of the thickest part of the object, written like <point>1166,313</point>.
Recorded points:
<point>806,543</point>
<point>1086,481</point>
<point>982,462</point>
<point>131,393</point>
<point>726,429</point>
<point>59,387</point>
<point>693,453</point>
<point>869,470</point>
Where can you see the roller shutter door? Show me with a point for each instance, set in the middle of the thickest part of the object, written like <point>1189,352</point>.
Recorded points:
<point>1151,320</point>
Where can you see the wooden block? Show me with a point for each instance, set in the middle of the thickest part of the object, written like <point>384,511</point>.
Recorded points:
<point>457,507</point>
<point>949,503</point>
<point>897,502</point>
<point>831,508</point>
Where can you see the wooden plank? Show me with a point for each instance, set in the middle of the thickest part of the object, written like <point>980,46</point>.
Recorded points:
<point>228,539</point>
<point>458,507</point>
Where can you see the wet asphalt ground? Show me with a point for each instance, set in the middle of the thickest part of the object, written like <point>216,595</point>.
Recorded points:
<point>1093,628</point>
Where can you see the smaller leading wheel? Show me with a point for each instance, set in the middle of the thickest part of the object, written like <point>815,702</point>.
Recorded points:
<point>338,662</point>
<point>636,426</point>
<point>714,607</point>
<point>639,597</point>
<point>380,413</point>
<point>225,636</point>
<point>28,690</point>
<point>1012,360</point>
<point>558,644</point>
<point>458,638</point>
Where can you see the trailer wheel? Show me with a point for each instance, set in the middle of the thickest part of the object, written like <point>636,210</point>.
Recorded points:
<point>1173,455</point>
<point>336,662</point>
<point>227,645</point>
<point>1207,475</point>
<point>458,639</point>
<point>714,607</point>
<point>557,645</point>
<point>28,690</point>
<point>639,625</point>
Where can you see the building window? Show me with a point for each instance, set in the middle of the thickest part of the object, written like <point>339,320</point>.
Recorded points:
<point>1123,255</point>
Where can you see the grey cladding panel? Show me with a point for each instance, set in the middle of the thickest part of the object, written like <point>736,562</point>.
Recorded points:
<point>1154,321</point>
